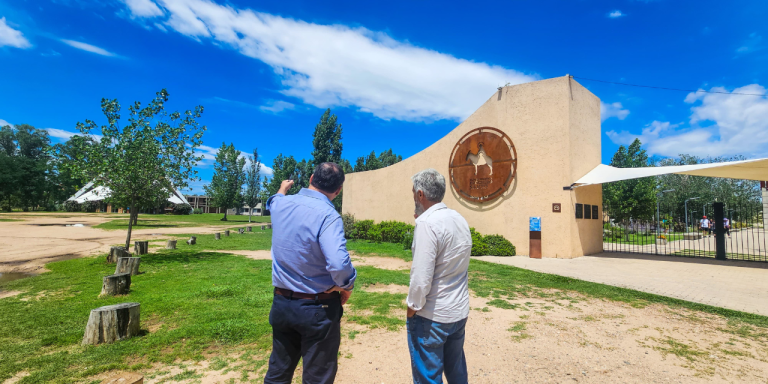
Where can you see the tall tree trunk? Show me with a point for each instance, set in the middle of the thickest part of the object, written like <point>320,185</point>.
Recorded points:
<point>225,215</point>
<point>136,218</point>
<point>250,212</point>
<point>130,227</point>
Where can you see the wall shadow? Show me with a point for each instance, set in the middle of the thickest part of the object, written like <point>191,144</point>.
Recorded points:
<point>683,259</point>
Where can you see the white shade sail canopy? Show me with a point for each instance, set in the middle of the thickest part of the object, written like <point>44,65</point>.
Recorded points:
<point>756,169</point>
<point>89,193</point>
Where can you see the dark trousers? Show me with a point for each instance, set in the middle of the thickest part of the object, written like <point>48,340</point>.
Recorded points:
<point>307,329</point>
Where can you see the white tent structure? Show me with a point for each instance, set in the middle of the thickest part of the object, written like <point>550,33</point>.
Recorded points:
<point>91,193</point>
<point>756,169</point>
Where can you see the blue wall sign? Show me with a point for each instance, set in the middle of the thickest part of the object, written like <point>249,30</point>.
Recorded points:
<point>535,224</point>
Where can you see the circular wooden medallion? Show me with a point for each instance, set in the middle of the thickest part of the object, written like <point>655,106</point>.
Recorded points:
<point>483,164</point>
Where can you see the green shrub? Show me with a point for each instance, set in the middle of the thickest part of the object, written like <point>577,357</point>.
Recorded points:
<point>499,246</point>
<point>361,229</point>
<point>407,241</point>
<point>197,211</point>
<point>71,206</point>
<point>479,248</point>
<point>182,209</point>
<point>349,225</point>
<point>89,206</point>
<point>394,231</point>
<point>374,234</point>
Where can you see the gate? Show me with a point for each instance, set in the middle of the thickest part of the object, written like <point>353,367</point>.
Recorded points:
<point>731,231</point>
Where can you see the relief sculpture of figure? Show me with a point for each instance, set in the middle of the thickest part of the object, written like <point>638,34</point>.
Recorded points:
<point>481,158</point>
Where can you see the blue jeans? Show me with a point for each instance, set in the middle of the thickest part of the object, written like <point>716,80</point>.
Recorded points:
<point>436,347</point>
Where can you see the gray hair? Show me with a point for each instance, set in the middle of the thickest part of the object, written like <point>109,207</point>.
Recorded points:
<point>431,182</point>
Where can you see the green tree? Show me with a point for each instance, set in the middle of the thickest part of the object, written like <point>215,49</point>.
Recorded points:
<point>25,165</point>
<point>226,185</point>
<point>65,156</point>
<point>631,199</point>
<point>283,168</point>
<point>326,140</point>
<point>144,160</point>
<point>10,172</point>
<point>253,183</point>
<point>372,162</point>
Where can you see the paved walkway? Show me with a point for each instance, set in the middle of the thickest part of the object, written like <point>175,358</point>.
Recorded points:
<point>739,285</point>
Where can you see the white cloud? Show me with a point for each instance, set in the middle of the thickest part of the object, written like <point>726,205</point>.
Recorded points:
<point>88,48</point>
<point>337,65</point>
<point>11,37</point>
<point>616,14</point>
<point>4,123</point>
<point>143,8</point>
<point>612,110</point>
<point>752,44</point>
<point>66,135</point>
<point>276,106</point>
<point>720,125</point>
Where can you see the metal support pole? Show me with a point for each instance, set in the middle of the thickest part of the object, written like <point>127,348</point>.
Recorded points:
<point>719,232</point>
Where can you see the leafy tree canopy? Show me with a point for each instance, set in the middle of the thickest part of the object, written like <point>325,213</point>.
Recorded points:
<point>225,189</point>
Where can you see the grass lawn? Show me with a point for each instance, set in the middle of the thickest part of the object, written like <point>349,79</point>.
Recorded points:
<point>199,305</point>
<point>643,239</point>
<point>177,221</point>
<point>4,219</point>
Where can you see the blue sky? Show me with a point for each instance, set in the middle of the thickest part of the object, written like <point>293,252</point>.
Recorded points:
<point>398,75</point>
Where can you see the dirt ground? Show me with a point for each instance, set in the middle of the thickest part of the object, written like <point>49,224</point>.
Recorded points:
<point>26,246</point>
<point>560,339</point>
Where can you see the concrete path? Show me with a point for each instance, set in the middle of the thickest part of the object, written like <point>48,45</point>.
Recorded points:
<point>739,285</point>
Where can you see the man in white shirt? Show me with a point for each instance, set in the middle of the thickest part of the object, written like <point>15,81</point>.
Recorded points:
<point>438,296</point>
<point>704,223</point>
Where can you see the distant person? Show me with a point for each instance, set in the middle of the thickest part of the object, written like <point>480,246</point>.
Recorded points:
<point>704,225</point>
<point>727,226</point>
<point>313,277</point>
<point>438,295</point>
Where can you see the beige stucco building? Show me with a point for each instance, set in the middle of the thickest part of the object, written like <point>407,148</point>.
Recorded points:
<point>555,127</point>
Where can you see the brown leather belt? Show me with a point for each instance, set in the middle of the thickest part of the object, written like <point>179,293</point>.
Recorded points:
<point>308,296</point>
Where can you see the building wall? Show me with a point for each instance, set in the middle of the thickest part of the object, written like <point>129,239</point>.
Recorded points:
<point>555,127</point>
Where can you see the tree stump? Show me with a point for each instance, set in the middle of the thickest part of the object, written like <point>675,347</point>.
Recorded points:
<point>117,284</point>
<point>269,226</point>
<point>128,265</point>
<point>250,229</point>
<point>192,240</point>
<point>241,230</point>
<point>171,244</point>
<point>112,323</point>
<point>263,227</point>
<point>217,236</point>
<point>116,253</point>
<point>226,233</point>
<point>140,248</point>
<point>125,378</point>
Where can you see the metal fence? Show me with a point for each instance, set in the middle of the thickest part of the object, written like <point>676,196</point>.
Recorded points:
<point>730,231</point>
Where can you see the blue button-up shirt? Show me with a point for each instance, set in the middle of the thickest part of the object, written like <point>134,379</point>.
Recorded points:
<point>309,251</point>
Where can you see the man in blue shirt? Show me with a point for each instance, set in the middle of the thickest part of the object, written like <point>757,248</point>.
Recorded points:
<point>313,277</point>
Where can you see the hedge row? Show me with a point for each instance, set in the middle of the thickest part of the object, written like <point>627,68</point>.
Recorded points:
<point>402,233</point>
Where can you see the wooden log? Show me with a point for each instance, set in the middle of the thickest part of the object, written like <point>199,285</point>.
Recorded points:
<point>192,240</point>
<point>226,233</point>
<point>217,236</point>
<point>263,227</point>
<point>171,244</point>
<point>116,253</point>
<point>241,230</point>
<point>128,265</point>
<point>140,247</point>
<point>269,226</point>
<point>112,323</point>
<point>117,284</point>
<point>250,229</point>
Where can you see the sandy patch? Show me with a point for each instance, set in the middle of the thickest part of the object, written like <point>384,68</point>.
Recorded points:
<point>4,294</point>
<point>45,240</point>
<point>380,262</point>
<point>386,288</point>
<point>16,378</point>
<point>591,341</point>
<point>255,255</point>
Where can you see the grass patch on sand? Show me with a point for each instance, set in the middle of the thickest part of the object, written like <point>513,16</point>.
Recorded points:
<point>2,219</point>
<point>365,247</point>
<point>192,303</point>
<point>149,221</point>
<point>249,241</point>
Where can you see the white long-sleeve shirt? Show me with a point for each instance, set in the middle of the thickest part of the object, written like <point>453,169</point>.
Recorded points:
<point>441,248</point>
